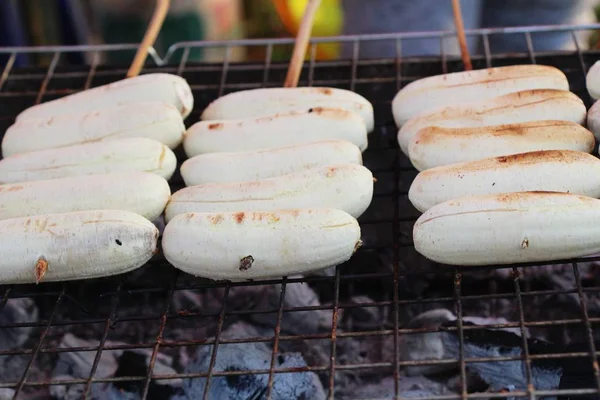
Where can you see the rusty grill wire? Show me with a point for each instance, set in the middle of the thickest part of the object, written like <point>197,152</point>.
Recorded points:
<point>378,80</point>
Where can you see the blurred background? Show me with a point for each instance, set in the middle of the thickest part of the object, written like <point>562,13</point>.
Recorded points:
<point>85,22</point>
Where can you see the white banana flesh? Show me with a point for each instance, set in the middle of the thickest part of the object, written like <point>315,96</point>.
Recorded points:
<point>285,129</point>
<point>251,245</point>
<point>436,146</point>
<point>269,101</point>
<point>427,94</point>
<point>592,81</point>
<point>109,156</point>
<point>139,192</point>
<point>509,228</point>
<point>555,170</point>
<point>512,108</point>
<point>160,87</point>
<point>593,119</point>
<point>73,246</point>
<point>268,163</point>
<point>348,187</point>
<point>153,120</point>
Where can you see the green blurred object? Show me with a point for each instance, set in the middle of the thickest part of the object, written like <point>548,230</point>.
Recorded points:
<point>128,28</point>
<point>121,21</point>
<point>180,27</point>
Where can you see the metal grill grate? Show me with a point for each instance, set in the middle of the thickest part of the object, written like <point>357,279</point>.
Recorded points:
<point>387,268</point>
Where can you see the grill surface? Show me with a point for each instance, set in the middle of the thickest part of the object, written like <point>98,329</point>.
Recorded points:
<point>387,268</point>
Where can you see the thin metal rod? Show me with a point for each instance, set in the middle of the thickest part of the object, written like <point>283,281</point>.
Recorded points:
<point>40,341</point>
<point>268,60</point>
<point>184,58</point>
<point>443,56</point>
<point>160,335</point>
<point>398,77</point>
<point>486,51</point>
<point>461,336</point>
<point>276,340</point>
<point>92,73</point>
<point>301,44</point>
<point>109,322</point>
<point>396,237</point>
<point>47,78</point>
<point>7,68</point>
<point>460,33</point>
<point>530,50</point>
<point>525,354</point>
<point>213,356</point>
<point>580,57</point>
<point>588,327</point>
<point>158,17</point>
<point>225,70</point>
<point>333,337</point>
<point>354,66</point>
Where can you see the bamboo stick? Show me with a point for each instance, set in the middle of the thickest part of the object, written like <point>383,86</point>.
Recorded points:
<point>158,17</point>
<point>301,44</point>
<point>460,33</point>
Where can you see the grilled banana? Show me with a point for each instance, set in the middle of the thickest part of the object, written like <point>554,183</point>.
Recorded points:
<point>435,146</point>
<point>251,245</point>
<point>427,94</point>
<point>270,101</point>
<point>525,106</point>
<point>554,170</point>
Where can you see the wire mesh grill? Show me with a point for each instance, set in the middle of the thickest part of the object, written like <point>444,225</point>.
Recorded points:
<point>387,268</point>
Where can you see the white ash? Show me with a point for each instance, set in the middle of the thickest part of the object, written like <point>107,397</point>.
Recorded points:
<point>365,317</point>
<point>267,297</point>
<point>429,346</point>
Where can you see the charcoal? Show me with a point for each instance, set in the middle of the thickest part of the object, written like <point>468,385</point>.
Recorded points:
<point>547,373</point>
<point>78,364</point>
<point>244,357</point>
<point>268,298</point>
<point>498,374</point>
<point>135,363</point>
<point>16,311</point>
<point>428,346</point>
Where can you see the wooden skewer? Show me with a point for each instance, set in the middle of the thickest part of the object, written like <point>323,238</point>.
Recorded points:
<point>460,33</point>
<point>158,17</point>
<point>302,39</point>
